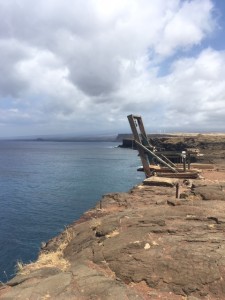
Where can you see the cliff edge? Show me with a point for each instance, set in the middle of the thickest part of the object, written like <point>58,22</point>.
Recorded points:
<point>144,244</point>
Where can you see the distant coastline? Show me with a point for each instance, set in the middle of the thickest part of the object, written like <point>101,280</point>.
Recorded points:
<point>125,138</point>
<point>63,139</point>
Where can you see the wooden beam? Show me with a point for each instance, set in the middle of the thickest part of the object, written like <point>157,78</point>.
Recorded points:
<point>156,156</point>
<point>143,156</point>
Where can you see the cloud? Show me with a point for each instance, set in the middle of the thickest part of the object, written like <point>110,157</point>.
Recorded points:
<point>197,88</point>
<point>11,52</point>
<point>93,62</point>
<point>187,27</point>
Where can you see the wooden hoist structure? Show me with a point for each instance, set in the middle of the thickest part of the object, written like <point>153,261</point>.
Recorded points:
<point>156,162</point>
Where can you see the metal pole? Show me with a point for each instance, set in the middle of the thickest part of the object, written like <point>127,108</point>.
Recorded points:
<point>183,155</point>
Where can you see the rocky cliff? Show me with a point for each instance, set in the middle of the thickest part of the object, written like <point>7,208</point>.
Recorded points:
<point>144,244</point>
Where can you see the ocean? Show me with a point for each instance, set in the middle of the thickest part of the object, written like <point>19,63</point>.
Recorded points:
<point>45,186</point>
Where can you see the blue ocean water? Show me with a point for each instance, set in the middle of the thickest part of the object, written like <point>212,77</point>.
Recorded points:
<point>45,186</point>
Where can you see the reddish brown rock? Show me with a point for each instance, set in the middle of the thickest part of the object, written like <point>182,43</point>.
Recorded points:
<point>144,244</point>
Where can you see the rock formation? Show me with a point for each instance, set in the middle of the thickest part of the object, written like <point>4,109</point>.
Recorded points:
<point>144,244</point>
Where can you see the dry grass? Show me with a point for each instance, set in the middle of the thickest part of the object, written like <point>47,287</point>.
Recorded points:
<point>49,259</point>
<point>19,266</point>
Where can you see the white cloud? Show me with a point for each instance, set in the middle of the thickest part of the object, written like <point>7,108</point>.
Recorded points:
<point>187,27</point>
<point>63,62</point>
<point>196,90</point>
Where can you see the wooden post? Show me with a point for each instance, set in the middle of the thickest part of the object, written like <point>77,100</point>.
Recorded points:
<point>177,190</point>
<point>142,154</point>
<point>189,161</point>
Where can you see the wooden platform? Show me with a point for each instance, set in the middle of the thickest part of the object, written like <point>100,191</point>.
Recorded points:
<point>183,175</point>
<point>159,169</point>
<point>199,166</point>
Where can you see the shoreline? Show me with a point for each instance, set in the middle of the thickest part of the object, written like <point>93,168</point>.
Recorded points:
<point>141,244</point>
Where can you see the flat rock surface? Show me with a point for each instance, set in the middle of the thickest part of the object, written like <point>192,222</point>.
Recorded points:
<point>160,181</point>
<point>144,244</point>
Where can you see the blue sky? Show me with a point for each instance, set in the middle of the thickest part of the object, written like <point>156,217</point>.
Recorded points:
<point>80,67</point>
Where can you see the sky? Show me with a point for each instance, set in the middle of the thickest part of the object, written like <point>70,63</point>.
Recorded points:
<point>76,67</point>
